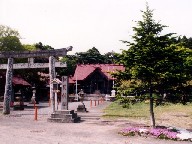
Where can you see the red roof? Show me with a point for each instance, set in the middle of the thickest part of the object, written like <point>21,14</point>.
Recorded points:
<point>19,81</point>
<point>82,71</point>
<point>71,81</point>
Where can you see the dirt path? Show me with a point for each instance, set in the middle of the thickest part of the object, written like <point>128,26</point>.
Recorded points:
<point>19,128</point>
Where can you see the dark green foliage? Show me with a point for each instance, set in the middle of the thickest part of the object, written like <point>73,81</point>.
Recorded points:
<point>92,56</point>
<point>127,102</point>
<point>71,61</point>
<point>40,46</point>
<point>184,41</point>
<point>9,41</point>
<point>146,54</point>
<point>162,62</point>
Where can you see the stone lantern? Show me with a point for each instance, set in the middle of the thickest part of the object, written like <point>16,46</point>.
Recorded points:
<point>34,92</point>
<point>81,96</point>
<point>19,104</point>
<point>81,107</point>
<point>33,98</point>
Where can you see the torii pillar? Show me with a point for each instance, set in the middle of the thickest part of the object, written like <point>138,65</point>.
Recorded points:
<point>8,87</point>
<point>51,78</point>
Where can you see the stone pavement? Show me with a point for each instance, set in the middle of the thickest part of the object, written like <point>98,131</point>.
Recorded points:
<point>44,110</point>
<point>20,127</point>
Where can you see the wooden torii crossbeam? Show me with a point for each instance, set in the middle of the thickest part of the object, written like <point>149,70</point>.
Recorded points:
<point>10,55</point>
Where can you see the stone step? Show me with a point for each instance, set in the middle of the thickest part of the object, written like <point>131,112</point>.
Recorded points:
<point>64,116</point>
<point>64,120</point>
<point>18,107</point>
<point>55,115</point>
<point>77,119</point>
<point>64,112</point>
<point>82,110</point>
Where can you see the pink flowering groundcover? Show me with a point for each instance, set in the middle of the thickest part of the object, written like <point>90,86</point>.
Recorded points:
<point>158,132</point>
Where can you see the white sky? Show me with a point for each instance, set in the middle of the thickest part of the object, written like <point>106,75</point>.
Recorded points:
<point>84,24</point>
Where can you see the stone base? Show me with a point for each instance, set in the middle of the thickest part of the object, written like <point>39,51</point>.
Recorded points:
<point>81,108</point>
<point>18,107</point>
<point>64,116</point>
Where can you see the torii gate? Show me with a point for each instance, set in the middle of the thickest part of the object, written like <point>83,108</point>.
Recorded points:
<point>30,55</point>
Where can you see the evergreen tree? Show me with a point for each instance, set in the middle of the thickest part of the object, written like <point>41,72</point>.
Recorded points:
<point>145,56</point>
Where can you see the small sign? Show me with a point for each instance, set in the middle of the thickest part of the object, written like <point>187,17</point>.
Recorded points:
<point>64,93</point>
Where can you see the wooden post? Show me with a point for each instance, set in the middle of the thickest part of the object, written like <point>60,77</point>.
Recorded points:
<point>35,118</point>
<point>91,103</point>
<point>34,104</point>
<point>95,103</point>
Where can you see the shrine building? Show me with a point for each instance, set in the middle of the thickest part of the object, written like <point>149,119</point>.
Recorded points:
<point>95,78</point>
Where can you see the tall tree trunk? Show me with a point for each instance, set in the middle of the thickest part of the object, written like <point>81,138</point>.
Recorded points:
<point>8,87</point>
<point>152,117</point>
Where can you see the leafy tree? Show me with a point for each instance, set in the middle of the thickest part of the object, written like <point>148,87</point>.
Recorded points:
<point>40,46</point>
<point>184,41</point>
<point>92,56</point>
<point>111,57</point>
<point>71,61</point>
<point>9,39</point>
<point>172,72</point>
<point>145,56</point>
<point>129,87</point>
<point>29,47</point>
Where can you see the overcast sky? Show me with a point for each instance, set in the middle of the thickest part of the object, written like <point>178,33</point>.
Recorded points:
<point>84,24</point>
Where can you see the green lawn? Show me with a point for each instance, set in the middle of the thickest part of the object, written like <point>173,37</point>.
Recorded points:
<point>170,114</point>
<point>116,110</point>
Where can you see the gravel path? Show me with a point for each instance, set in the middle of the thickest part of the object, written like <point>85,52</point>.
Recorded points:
<point>20,127</point>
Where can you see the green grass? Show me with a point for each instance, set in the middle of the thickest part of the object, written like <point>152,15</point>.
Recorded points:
<point>174,108</point>
<point>141,110</point>
<point>116,110</point>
